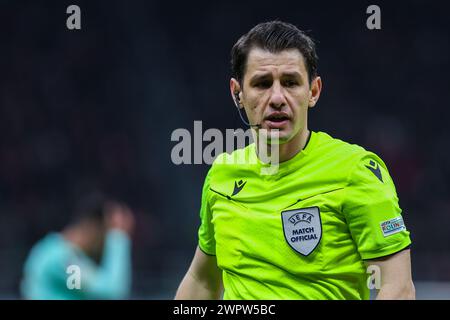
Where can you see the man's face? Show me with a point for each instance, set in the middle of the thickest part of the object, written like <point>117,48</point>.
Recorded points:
<point>276,92</point>
<point>94,235</point>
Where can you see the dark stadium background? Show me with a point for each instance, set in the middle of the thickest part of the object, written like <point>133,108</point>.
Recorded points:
<point>96,108</point>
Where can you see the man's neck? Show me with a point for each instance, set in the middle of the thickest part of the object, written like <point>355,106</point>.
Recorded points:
<point>292,148</point>
<point>285,151</point>
<point>75,237</point>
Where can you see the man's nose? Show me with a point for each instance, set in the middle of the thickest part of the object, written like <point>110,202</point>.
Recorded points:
<point>277,99</point>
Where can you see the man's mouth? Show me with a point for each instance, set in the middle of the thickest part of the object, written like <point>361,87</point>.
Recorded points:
<point>277,119</point>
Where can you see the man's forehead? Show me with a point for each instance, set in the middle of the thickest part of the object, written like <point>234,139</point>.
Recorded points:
<point>260,60</point>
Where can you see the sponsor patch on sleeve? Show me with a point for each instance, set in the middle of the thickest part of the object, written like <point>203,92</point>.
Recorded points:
<point>392,226</point>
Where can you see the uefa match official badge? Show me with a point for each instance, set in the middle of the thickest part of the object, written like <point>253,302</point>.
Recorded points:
<point>302,229</point>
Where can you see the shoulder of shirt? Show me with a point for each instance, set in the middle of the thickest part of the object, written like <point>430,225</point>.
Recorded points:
<point>236,157</point>
<point>339,146</point>
<point>49,249</point>
<point>227,163</point>
<point>344,151</point>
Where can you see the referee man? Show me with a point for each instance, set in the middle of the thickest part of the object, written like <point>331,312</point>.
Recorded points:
<point>323,223</point>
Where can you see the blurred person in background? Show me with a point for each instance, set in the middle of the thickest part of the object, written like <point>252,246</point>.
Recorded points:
<point>96,247</point>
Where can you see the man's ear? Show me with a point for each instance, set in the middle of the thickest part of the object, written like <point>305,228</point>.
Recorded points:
<point>314,92</point>
<point>235,90</point>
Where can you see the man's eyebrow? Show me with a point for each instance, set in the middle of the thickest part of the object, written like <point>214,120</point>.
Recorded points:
<point>293,74</point>
<point>263,76</point>
<point>260,76</point>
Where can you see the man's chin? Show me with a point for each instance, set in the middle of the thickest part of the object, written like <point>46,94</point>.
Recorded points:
<point>275,136</point>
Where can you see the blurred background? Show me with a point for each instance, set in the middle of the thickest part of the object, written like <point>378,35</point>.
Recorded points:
<point>95,108</point>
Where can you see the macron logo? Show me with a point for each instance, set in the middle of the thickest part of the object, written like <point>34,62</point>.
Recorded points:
<point>375,168</point>
<point>238,187</point>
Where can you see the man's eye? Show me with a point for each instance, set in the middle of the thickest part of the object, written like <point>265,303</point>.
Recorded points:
<point>290,83</point>
<point>263,84</point>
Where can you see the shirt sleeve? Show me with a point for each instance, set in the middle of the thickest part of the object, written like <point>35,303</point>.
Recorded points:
<point>372,211</point>
<point>112,278</point>
<point>206,241</point>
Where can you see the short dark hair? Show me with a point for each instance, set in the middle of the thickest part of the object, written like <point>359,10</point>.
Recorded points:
<point>274,36</point>
<point>90,207</point>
